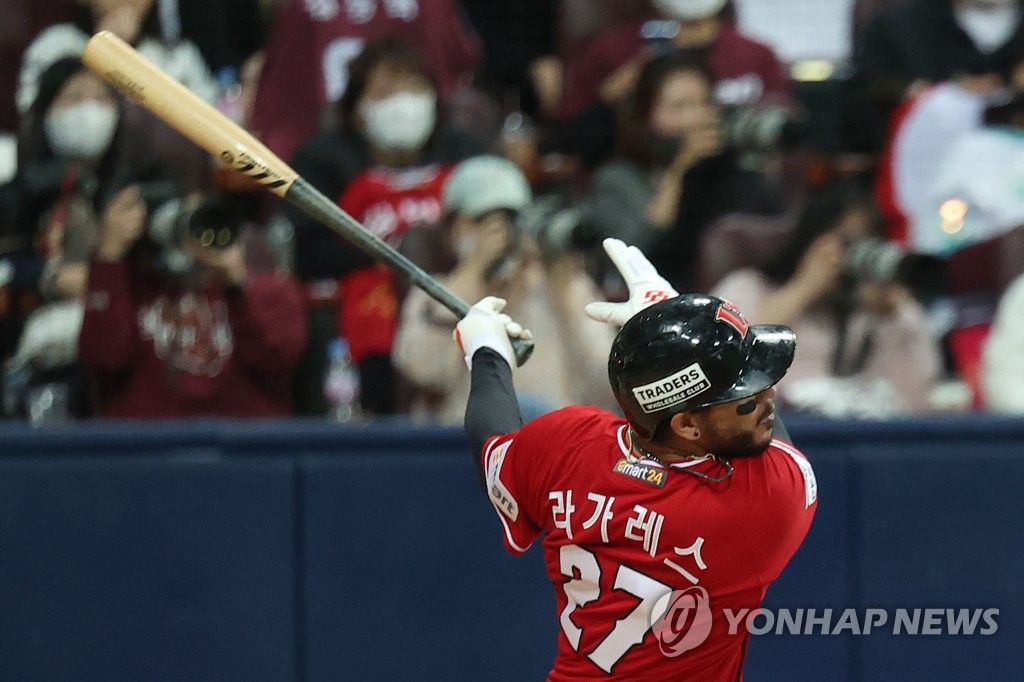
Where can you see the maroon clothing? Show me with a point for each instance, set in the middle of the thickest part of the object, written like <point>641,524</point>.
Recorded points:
<point>746,70</point>
<point>313,42</point>
<point>160,351</point>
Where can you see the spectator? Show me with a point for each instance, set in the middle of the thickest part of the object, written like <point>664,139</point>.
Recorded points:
<point>185,337</point>
<point>137,22</point>
<point>745,71</point>
<point>866,345</point>
<point>75,168</point>
<point>387,162</point>
<point>312,45</point>
<point>481,200</point>
<point>978,42</point>
<point>22,19</point>
<point>1003,358</point>
<point>675,173</point>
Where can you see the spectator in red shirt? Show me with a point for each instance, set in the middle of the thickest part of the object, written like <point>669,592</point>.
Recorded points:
<point>212,339</point>
<point>386,162</point>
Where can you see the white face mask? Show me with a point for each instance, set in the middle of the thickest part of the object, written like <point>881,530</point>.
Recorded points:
<point>989,28</point>
<point>403,121</point>
<point>81,131</point>
<point>465,246</point>
<point>689,10</point>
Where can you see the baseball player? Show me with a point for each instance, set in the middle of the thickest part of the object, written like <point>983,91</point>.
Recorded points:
<point>659,527</point>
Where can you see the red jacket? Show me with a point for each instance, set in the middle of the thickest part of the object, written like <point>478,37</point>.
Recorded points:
<point>158,350</point>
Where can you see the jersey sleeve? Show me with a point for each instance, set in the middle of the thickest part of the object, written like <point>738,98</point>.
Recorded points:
<point>519,468</point>
<point>779,509</point>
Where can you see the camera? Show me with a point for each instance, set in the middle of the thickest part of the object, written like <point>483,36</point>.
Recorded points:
<point>212,222</point>
<point>880,261</point>
<point>557,228</point>
<point>762,127</point>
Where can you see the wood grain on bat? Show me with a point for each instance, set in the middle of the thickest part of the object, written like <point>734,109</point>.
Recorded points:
<point>138,79</point>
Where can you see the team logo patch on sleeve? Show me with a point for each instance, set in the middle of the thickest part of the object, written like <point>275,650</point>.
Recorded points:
<point>500,495</point>
<point>672,390</point>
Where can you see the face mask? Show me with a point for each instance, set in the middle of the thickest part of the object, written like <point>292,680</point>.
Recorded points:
<point>689,10</point>
<point>81,131</point>
<point>989,29</point>
<point>465,246</point>
<point>403,121</point>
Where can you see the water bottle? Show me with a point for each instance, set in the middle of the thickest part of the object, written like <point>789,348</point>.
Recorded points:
<point>341,385</point>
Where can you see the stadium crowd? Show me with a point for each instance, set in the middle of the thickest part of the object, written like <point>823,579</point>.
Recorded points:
<point>870,195</point>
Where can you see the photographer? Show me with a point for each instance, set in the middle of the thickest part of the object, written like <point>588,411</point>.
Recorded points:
<point>176,329</point>
<point>677,171</point>
<point>484,251</point>
<point>866,347</point>
<point>75,163</point>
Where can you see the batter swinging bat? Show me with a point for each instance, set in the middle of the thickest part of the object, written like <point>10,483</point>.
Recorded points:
<point>119,64</point>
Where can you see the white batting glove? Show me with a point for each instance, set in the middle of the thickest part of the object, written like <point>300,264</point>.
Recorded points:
<point>485,326</point>
<point>646,286</point>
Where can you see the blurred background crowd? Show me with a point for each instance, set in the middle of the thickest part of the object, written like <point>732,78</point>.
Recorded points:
<point>851,168</point>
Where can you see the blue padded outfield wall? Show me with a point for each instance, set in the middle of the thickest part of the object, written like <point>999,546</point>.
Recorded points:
<point>304,552</point>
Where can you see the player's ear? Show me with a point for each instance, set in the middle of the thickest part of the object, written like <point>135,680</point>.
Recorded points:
<point>684,425</point>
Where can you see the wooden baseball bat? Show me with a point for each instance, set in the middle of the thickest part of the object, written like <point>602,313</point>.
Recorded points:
<point>140,80</point>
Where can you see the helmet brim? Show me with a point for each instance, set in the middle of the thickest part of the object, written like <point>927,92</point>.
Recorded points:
<point>769,355</point>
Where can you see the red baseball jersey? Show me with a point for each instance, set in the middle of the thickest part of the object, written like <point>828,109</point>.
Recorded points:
<point>387,201</point>
<point>627,539</point>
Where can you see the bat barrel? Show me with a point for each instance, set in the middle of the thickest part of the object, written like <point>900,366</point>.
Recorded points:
<point>119,64</point>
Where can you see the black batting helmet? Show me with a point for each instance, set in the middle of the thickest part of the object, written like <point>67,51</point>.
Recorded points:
<point>689,352</point>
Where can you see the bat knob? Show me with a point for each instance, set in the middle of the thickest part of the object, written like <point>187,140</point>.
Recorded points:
<point>523,348</point>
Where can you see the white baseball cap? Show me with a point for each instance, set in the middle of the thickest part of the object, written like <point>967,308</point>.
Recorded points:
<point>688,10</point>
<point>484,184</point>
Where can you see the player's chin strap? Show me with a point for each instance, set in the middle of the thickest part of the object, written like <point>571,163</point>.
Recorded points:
<point>634,444</point>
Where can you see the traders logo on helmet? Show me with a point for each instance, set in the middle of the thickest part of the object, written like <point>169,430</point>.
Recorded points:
<point>672,390</point>
<point>731,315</point>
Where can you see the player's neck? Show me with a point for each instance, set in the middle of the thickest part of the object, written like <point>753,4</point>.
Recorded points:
<point>665,454</point>
<point>669,455</point>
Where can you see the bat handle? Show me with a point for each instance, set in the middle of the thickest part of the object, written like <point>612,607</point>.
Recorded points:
<point>523,348</point>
